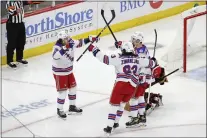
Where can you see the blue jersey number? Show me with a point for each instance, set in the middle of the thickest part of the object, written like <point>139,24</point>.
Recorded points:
<point>127,69</point>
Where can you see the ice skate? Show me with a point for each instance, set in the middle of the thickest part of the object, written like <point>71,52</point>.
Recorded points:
<point>133,122</point>
<point>74,110</point>
<point>115,126</point>
<point>142,120</point>
<point>61,114</point>
<point>107,131</point>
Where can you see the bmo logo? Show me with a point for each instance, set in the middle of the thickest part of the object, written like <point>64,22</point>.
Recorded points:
<point>155,4</point>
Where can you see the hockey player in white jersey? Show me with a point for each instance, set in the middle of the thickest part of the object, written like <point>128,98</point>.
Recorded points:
<point>62,66</point>
<point>148,75</point>
<point>137,103</point>
<point>127,65</point>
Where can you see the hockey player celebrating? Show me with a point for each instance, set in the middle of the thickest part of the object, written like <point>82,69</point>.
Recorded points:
<point>148,75</point>
<point>127,65</point>
<point>138,101</point>
<point>62,66</point>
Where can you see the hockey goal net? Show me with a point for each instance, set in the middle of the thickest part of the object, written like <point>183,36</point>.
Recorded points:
<point>188,50</point>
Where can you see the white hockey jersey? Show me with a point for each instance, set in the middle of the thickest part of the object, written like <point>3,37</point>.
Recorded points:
<point>62,60</point>
<point>127,67</point>
<point>145,71</point>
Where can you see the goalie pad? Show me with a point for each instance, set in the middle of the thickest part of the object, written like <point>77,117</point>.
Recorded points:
<point>152,98</point>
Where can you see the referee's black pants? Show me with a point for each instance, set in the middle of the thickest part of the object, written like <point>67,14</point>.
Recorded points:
<point>16,37</point>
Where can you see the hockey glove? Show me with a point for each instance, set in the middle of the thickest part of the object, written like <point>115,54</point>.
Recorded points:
<point>118,44</point>
<point>155,60</point>
<point>156,71</point>
<point>93,38</point>
<point>161,79</point>
<point>93,49</point>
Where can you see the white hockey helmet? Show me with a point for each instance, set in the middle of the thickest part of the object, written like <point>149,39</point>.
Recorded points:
<point>138,37</point>
<point>62,35</point>
<point>127,47</point>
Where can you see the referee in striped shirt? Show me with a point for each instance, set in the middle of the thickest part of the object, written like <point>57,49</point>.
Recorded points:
<point>16,34</point>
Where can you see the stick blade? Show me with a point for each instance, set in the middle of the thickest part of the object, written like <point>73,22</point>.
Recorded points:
<point>113,13</point>
<point>155,32</point>
<point>102,12</point>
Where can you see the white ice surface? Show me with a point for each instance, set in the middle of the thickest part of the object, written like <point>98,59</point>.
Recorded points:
<point>183,113</point>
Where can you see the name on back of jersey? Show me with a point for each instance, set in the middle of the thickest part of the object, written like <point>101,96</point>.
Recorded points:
<point>129,60</point>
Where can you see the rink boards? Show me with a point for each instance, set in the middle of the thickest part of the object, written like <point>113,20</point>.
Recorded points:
<point>84,18</point>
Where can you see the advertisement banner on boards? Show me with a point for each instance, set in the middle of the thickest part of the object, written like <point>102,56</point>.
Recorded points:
<point>83,17</point>
<point>42,28</point>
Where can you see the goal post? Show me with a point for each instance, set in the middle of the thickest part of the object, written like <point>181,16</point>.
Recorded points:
<point>188,43</point>
<point>185,37</point>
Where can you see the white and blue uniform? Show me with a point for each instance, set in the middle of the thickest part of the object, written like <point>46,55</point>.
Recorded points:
<point>62,60</point>
<point>146,72</point>
<point>127,67</point>
<point>143,49</point>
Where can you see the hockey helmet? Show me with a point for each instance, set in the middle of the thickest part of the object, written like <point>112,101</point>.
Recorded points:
<point>62,35</point>
<point>137,37</point>
<point>127,47</point>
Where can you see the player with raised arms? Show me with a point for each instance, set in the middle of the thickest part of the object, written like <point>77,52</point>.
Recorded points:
<point>127,66</point>
<point>62,66</point>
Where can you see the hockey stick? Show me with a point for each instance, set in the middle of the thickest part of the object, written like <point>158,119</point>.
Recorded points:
<point>155,42</point>
<point>102,14</point>
<point>155,45</point>
<point>166,76</point>
<point>107,24</point>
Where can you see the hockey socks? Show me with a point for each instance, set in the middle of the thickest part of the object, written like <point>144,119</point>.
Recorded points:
<point>119,112</point>
<point>141,105</point>
<point>112,115</point>
<point>72,96</point>
<point>133,107</point>
<point>61,99</point>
